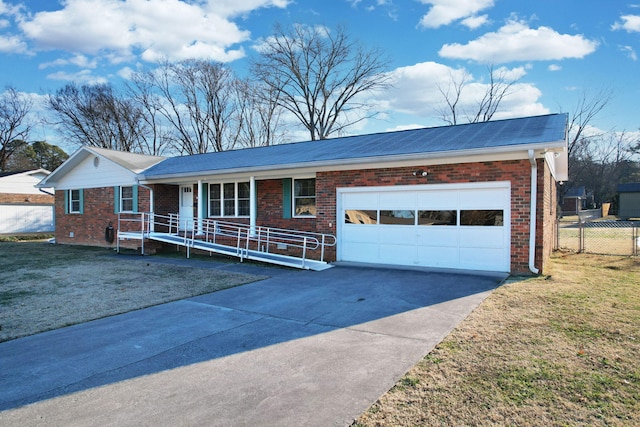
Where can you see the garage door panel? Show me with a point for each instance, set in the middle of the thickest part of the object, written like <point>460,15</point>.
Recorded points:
<point>482,237</point>
<point>402,235</point>
<point>437,200</point>
<point>361,201</point>
<point>481,198</point>
<point>398,200</point>
<point>439,257</point>
<point>362,252</point>
<point>479,259</point>
<point>438,236</point>
<point>398,254</point>
<point>360,233</point>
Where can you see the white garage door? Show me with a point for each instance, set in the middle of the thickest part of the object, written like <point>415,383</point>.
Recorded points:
<point>464,226</point>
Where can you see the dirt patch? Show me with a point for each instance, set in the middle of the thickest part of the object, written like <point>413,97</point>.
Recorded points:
<point>45,286</point>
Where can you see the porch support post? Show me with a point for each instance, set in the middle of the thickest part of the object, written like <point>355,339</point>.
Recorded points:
<point>253,208</point>
<point>200,207</point>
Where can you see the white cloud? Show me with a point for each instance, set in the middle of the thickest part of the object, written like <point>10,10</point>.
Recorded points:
<point>417,92</point>
<point>151,29</point>
<point>631,53</point>
<point>444,12</point>
<point>515,41</point>
<point>80,77</point>
<point>13,44</point>
<point>554,67</point>
<point>630,23</point>
<point>474,22</point>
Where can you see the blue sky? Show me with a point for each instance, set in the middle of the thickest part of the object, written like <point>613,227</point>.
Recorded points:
<point>559,50</point>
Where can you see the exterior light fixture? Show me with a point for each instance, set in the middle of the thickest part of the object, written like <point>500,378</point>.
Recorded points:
<point>420,172</point>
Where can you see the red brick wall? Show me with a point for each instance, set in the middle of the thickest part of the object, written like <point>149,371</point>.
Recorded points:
<point>88,228</point>
<point>518,172</point>
<point>20,199</point>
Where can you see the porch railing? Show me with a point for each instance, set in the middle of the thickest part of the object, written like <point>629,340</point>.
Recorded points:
<point>244,237</point>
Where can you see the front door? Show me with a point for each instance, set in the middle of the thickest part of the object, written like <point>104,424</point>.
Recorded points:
<point>186,206</point>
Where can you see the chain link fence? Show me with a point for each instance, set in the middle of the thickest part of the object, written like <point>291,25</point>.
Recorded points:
<point>607,237</point>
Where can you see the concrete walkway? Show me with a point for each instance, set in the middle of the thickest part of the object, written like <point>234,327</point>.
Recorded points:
<point>299,349</point>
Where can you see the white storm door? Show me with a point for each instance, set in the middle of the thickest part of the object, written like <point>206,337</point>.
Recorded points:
<point>186,207</point>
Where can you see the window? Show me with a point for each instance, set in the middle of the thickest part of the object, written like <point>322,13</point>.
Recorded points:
<point>437,217</point>
<point>75,201</point>
<point>360,216</point>
<point>482,217</point>
<point>229,199</point>
<point>304,197</point>
<point>398,217</point>
<point>126,199</point>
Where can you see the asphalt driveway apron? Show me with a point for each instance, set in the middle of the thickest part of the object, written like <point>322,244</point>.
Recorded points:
<point>299,349</point>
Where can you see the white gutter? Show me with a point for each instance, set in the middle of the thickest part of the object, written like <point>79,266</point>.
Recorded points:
<point>532,221</point>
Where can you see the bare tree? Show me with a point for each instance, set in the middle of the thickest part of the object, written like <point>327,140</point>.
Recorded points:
<point>97,116</point>
<point>452,95</point>
<point>195,98</point>
<point>141,91</point>
<point>14,123</point>
<point>259,116</point>
<point>318,75</point>
<point>588,107</point>
<point>603,163</point>
<point>500,85</point>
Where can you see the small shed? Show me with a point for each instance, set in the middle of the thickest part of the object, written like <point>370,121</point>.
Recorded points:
<point>629,200</point>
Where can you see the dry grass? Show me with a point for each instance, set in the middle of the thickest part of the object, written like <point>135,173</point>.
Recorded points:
<point>560,350</point>
<point>45,286</point>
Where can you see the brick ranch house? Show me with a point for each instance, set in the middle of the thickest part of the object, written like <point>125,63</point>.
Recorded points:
<point>475,196</point>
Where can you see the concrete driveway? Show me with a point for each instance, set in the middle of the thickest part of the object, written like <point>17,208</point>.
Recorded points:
<point>299,349</point>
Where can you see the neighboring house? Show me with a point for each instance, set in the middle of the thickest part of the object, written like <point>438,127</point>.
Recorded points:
<point>575,200</point>
<point>629,200</point>
<point>23,207</point>
<point>475,196</point>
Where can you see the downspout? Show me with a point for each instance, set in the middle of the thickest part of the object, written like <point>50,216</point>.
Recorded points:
<point>252,205</point>
<point>151,218</point>
<point>200,208</point>
<point>532,221</point>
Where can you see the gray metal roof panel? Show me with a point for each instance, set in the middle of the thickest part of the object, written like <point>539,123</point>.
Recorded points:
<point>486,135</point>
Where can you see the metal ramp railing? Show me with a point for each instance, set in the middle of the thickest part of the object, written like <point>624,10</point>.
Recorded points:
<point>228,238</point>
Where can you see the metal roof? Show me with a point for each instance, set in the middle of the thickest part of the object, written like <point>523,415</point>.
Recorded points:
<point>486,136</point>
<point>633,187</point>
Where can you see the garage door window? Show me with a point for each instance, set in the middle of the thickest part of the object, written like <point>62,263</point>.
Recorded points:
<point>399,217</point>
<point>482,217</point>
<point>360,216</point>
<point>437,217</point>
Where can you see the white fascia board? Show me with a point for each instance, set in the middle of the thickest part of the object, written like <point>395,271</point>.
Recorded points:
<point>405,160</point>
<point>54,180</point>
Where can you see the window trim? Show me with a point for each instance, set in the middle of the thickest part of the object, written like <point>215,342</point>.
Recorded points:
<point>71,200</point>
<point>122,199</point>
<point>293,196</point>
<point>221,200</point>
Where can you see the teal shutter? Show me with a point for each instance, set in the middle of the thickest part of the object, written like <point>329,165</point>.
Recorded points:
<point>135,198</point>
<point>81,191</point>
<point>286,197</point>
<point>116,199</point>
<point>205,200</point>
<point>66,201</point>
